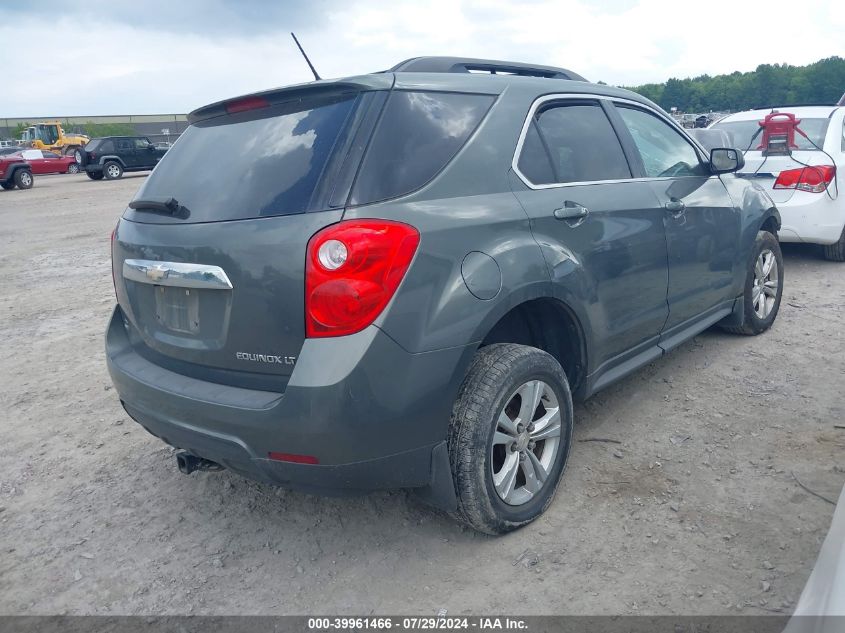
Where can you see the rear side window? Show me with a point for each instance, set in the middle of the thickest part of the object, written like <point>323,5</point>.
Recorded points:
<point>665,153</point>
<point>572,143</point>
<point>265,163</point>
<point>419,133</point>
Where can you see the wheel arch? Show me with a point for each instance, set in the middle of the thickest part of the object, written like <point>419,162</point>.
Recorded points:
<point>13,169</point>
<point>117,159</point>
<point>770,221</point>
<point>548,323</point>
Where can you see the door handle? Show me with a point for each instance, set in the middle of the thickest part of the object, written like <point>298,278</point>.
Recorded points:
<point>676,207</point>
<point>571,211</point>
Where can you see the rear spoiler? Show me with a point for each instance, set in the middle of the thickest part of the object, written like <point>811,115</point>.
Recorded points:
<point>326,88</point>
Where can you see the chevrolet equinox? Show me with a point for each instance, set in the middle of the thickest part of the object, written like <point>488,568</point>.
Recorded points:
<point>403,279</point>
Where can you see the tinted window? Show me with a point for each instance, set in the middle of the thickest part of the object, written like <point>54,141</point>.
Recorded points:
<point>234,167</point>
<point>534,161</point>
<point>742,133</point>
<point>417,136</point>
<point>141,143</point>
<point>580,144</point>
<point>664,152</point>
<point>106,147</point>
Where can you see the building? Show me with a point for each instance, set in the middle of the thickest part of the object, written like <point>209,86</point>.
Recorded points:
<point>159,127</point>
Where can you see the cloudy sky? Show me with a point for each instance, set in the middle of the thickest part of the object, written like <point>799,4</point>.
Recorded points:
<point>163,56</point>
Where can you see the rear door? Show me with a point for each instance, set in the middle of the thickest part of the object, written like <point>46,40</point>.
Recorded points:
<point>702,224</point>
<point>36,161</point>
<point>216,289</point>
<point>125,149</point>
<point>583,202</point>
<point>146,154</point>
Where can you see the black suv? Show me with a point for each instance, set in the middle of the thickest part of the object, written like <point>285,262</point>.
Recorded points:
<point>403,279</point>
<point>112,155</point>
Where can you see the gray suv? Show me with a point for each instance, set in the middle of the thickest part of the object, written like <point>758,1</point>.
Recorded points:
<point>403,279</point>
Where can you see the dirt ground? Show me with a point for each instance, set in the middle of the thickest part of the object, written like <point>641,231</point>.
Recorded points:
<point>695,511</point>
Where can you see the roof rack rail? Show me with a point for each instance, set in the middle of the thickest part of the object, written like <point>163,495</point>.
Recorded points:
<point>491,66</point>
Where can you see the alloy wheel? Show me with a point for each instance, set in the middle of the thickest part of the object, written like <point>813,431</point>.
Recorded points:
<point>525,442</point>
<point>764,291</point>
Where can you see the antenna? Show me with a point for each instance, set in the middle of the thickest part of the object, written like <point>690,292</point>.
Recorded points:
<point>308,61</point>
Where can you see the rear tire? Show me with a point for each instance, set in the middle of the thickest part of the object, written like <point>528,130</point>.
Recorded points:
<point>73,168</point>
<point>763,287</point>
<point>24,179</point>
<point>112,170</point>
<point>7,185</point>
<point>507,459</point>
<point>836,252</point>
<point>94,175</point>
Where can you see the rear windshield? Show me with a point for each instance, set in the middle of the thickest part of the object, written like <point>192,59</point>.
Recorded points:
<point>238,166</point>
<point>741,133</point>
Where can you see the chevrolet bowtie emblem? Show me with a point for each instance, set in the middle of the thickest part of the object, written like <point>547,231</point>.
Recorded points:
<point>157,273</point>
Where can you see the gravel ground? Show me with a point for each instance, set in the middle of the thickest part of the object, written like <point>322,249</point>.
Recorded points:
<point>695,511</point>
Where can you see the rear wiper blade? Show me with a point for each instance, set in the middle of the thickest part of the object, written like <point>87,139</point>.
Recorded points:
<point>167,205</point>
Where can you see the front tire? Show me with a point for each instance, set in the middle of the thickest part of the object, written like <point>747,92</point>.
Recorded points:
<point>509,437</point>
<point>24,179</point>
<point>836,252</point>
<point>763,287</point>
<point>112,170</point>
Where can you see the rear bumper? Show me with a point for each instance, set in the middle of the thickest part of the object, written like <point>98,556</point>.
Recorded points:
<point>812,218</point>
<point>93,169</point>
<point>374,415</point>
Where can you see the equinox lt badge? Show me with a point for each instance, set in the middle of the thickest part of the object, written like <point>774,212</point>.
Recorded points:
<point>266,358</point>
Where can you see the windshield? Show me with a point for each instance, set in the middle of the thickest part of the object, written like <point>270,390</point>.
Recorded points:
<point>229,168</point>
<point>741,133</point>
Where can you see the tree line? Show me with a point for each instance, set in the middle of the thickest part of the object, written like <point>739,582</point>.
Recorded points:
<point>822,82</point>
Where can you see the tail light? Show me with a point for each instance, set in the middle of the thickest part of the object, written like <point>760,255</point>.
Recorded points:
<point>246,104</point>
<point>814,179</point>
<point>352,271</point>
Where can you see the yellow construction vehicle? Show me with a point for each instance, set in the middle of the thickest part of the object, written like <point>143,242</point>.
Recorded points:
<point>50,135</point>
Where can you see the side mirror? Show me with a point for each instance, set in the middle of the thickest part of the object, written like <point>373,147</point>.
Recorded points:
<point>724,160</point>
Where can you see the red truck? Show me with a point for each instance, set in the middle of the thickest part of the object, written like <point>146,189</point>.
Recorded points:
<point>15,172</point>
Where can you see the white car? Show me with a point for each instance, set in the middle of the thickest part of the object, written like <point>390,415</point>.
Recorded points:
<point>810,199</point>
<point>821,608</point>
